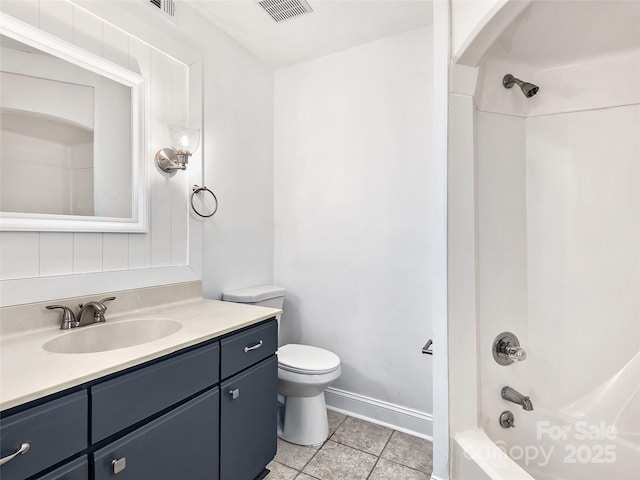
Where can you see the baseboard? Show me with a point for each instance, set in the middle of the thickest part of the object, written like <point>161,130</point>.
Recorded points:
<point>434,477</point>
<point>399,418</point>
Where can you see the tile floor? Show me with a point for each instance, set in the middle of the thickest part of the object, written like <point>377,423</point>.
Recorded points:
<point>355,450</point>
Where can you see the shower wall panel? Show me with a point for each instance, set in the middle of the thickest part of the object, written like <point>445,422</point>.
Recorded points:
<point>583,249</point>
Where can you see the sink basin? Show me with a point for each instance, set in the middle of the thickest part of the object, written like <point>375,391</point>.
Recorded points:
<point>112,336</point>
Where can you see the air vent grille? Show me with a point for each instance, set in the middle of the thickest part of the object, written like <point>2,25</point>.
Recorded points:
<point>281,10</point>
<point>167,6</point>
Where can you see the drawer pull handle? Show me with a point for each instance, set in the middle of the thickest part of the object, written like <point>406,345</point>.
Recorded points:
<point>235,393</point>
<point>119,465</point>
<point>24,448</point>
<point>255,346</point>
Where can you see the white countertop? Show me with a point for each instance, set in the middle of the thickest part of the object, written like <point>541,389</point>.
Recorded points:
<point>29,372</point>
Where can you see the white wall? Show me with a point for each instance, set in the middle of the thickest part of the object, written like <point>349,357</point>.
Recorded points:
<point>238,103</point>
<point>235,104</point>
<point>353,212</point>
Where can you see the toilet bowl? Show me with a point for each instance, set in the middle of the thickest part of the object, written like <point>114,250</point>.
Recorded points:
<point>304,373</point>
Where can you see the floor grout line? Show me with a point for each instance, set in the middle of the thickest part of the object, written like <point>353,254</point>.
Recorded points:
<point>378,457</point>
<point>323,444</point>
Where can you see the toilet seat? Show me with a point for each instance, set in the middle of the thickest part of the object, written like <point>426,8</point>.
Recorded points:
<point>306,359</point>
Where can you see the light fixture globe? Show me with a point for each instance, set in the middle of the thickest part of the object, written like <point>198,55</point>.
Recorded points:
<point>184,141</point>
<point>183,138</point>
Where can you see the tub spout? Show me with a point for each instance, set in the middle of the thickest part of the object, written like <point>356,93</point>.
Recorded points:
<point>514,396</point>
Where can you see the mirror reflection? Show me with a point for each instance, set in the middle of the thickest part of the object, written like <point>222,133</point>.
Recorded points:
<point>65,137</point>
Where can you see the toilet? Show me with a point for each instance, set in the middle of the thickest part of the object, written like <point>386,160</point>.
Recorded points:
<point>304,373</point>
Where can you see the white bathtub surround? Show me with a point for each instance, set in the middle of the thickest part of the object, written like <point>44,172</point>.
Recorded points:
<point>353,211</point>
<point>25,329</point>
<point>554,250</point>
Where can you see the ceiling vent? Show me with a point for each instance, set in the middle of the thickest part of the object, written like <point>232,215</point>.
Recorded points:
<point>281,10</point>
<point>168,7</point>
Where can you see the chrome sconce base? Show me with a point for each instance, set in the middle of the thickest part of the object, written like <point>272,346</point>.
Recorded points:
<point>170,160</point>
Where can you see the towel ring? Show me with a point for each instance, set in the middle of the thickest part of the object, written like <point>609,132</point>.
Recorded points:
<point>198,189</point>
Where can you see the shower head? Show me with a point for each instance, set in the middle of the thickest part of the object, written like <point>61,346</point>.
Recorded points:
<point>528,89</point>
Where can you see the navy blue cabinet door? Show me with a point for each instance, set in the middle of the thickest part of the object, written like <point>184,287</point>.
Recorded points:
<point>248,425</point>
<point>180,445</point>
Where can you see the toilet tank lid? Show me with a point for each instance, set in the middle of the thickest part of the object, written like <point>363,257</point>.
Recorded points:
<point>253,294</point>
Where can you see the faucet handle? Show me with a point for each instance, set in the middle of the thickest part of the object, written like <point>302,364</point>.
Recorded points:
<point>517,354</point>
<point>99,303</point>
<point>108,299</point>
<point>98,308</point>
<point>68,319</point>
<point>99,313</point>
<point>507,419</point>
<point>506,349</point>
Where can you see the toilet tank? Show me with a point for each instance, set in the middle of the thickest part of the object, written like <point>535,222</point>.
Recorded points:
<point>263,295</point>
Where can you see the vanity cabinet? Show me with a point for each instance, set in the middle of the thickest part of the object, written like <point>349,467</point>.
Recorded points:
<point>206,412</point>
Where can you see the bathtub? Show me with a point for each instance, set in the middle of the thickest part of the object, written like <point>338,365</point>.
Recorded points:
<point>595,437</point>
<point>549,446</point>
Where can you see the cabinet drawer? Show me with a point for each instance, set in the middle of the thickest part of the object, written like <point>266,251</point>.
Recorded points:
<point>76,470</point>
<point>182,444</point>
<point>248,423</point>
<point>247,348</point>
<point>54,431</point>
<point>121,402</point>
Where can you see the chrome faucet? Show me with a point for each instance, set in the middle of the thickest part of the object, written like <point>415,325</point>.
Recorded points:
<point>69,320</point>
<point>514,396</point>
<point>98,309</point>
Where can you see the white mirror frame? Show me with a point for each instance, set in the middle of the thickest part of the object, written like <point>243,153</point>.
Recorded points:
<point>52,45</point>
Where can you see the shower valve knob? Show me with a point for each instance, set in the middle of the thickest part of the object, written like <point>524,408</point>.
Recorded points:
<point>517,354</point>
<point>507,419</point>
<point>506,349</point>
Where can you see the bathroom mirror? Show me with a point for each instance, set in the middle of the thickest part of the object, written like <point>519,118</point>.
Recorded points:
<point>71,137</point>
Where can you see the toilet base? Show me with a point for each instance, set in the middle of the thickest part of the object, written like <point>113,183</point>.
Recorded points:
<point>305,420</point>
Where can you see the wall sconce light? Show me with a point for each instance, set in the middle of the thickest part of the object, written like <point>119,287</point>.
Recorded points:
<point>184,141</point>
